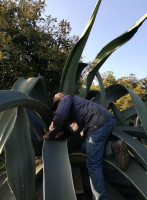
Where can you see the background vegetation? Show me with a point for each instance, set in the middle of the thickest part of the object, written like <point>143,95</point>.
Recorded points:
<point>31,44</point>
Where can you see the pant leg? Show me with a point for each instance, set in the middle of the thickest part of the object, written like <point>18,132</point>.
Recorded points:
<point>95,144</point>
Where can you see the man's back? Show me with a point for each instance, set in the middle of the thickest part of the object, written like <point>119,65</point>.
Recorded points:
<point>87,114</point>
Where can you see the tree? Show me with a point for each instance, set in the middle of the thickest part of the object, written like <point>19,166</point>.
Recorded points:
<point>30,44</point>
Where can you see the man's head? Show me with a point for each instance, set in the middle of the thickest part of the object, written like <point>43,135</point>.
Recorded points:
<point>56,100</point>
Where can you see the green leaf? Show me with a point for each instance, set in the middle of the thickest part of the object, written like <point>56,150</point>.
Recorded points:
<point>135,174</point>
<point>113,93</point>
<point>12,99</point>
<point>6,193</point>
<point>118,115</point>
<point>94,93</point>
<point>112,193</point>
<point>57,171</point>
<point>135,147</point>
<point>70,69</point>
<point>103,55</point>
<point>116,91</point>
<point>81,66</point>
<point>7,122</point>
<point>20,162</point>
<point>102,89</point>
<point>140,108</point>
<point>34,87</point>
<point>129,112</point>
<point>133,131</point>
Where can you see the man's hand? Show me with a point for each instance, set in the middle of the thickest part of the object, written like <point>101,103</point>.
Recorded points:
<point>48,136</point>
<point>74,127</point>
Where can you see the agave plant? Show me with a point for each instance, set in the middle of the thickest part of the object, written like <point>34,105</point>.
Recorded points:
<point>25,113</point>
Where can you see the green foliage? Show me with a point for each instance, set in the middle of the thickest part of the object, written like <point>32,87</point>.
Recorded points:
<point>30,44</point>
<point>15,132</point>
<point>106,51</point>
<point>19,150</point>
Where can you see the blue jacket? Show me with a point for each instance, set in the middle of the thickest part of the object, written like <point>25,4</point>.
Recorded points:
<point>88,115</point>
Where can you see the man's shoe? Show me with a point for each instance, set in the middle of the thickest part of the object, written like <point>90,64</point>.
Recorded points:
<point>119,148</point>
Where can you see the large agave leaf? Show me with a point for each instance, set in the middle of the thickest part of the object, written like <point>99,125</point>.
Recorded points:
<point>137,148</point>
<point>81,66</point>
<point>70,69</point>
<point>36,124</point>
<point>135,174</point>
<point>20,162</point>
<point>102,89</point>
<point>58,182</point>
<point>112,193</point>
<point>11,99</point>
<point>94,93</point>
<point>140,108</point>
<point>133,131</point>
<point>79,160</point>
<point>33,87</point>
<point>129,112</point>
<point>7,122</point>
<point>103,55</point>
<point>118,115</point>
<point>14,99</point>
<point>5,192</point>
<point>139,105</point>
<point>113,93</point>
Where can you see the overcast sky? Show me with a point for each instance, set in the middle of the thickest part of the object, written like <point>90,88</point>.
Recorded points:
<point>113,18</point>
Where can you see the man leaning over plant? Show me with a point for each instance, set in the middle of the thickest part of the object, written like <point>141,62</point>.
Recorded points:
<point>96,123</point>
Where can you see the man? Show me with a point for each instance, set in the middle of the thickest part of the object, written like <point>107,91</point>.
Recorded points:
<point>96,123</point>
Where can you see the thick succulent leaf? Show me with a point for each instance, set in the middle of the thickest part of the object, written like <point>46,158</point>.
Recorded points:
<point>57,178</point>
<point>11,99</point>
<point>103,55</point>
<point>119,117</point>
<point>20,163</point>
<point>140,108</point>
<point>102,89</point>
<point>112,193</point>
<point>136,147</point>
<point>7,122</point>
<point>117,92</point>
<point>129,112</point>
<point>36,124</point>
<point>34,87</point>
<point>94,93</point>
<point>133,131</point>
<point>113,93</point>
<point>6,193</point>
<point>81,67</point>
<point>70,69</point>
<point>135,174</point>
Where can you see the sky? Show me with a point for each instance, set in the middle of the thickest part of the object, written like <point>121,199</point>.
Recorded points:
<point>114,17</point>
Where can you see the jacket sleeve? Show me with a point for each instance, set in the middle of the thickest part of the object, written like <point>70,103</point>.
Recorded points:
<point>61,116</point>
